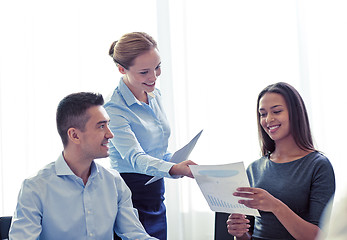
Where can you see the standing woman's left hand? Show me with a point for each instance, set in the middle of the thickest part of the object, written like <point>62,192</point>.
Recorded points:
<point>259,199</point>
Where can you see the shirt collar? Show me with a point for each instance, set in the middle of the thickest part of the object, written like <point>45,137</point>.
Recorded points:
<point>129,97</point>
<point>151,95</point>
<point>63,169</point>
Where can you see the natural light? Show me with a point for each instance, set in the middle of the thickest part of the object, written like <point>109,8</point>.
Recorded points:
<point>216,57</point>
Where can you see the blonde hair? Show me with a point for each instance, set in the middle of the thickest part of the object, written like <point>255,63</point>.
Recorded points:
<point>129,46</point>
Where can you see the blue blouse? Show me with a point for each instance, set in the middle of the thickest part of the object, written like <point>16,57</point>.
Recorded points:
<point>141,133</point>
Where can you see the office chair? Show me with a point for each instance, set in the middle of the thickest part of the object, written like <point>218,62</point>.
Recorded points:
<point>5,223</point>
<point>220,227</point>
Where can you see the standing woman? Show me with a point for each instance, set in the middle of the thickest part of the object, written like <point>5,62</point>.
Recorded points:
<point>138,121</point>
<point>292,182</point>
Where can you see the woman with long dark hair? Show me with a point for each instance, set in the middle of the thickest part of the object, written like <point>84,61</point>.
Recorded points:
<point>292,182</point>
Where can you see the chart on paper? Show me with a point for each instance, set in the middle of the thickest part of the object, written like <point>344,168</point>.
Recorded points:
<point>218,183</point>
<point>214,201</point>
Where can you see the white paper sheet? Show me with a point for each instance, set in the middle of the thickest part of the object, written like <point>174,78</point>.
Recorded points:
<point>219,182</point>
<point>180,155</point>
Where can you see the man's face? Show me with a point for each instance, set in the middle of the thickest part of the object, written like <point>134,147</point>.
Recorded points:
<point>95,137</point>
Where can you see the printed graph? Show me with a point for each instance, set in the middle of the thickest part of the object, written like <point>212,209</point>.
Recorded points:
<point>219,182</point>
<point>214,201</point>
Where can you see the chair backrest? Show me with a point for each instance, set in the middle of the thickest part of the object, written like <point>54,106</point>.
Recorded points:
<point>220,227</point>
<point>5,223</point>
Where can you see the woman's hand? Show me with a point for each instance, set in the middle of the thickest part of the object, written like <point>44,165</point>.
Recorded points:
<point>238,225</point>
<point>264,201</point>
<point>258,198</point>
<point>182,169</point>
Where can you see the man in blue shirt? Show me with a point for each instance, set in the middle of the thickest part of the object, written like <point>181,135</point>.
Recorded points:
<point>74,197</point>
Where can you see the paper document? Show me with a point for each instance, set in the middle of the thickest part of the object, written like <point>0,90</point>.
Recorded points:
<point>180,155</point>
<point>219,182</point>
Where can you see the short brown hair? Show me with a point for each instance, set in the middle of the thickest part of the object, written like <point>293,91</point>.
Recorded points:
<point>72,112</point>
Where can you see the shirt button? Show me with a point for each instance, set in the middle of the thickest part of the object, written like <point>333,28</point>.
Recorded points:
<point>91,234</point>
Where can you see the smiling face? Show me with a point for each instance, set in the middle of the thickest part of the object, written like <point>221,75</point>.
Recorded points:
<point>142,75</point>
<point>274,116</point>
<point>96,134</point>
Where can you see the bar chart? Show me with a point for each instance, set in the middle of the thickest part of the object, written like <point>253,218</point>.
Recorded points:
<point>214,201</point>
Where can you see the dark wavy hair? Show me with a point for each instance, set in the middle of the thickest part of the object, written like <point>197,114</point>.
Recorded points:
<point>298,118</point>
<point>72,112</point>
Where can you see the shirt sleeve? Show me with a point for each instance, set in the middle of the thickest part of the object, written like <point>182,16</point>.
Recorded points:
<point>167,157</point>
<point>26,221</point>
<point>130,150</point>
<point>323,188</point>
<point>127,224</point>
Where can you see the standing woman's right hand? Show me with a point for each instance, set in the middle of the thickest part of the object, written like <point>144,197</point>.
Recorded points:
<point>182,169</point>
<point>238,226</point>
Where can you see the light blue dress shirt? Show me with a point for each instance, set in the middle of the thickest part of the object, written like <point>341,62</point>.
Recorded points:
<point>141,133</point>
<point>55,204</point>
